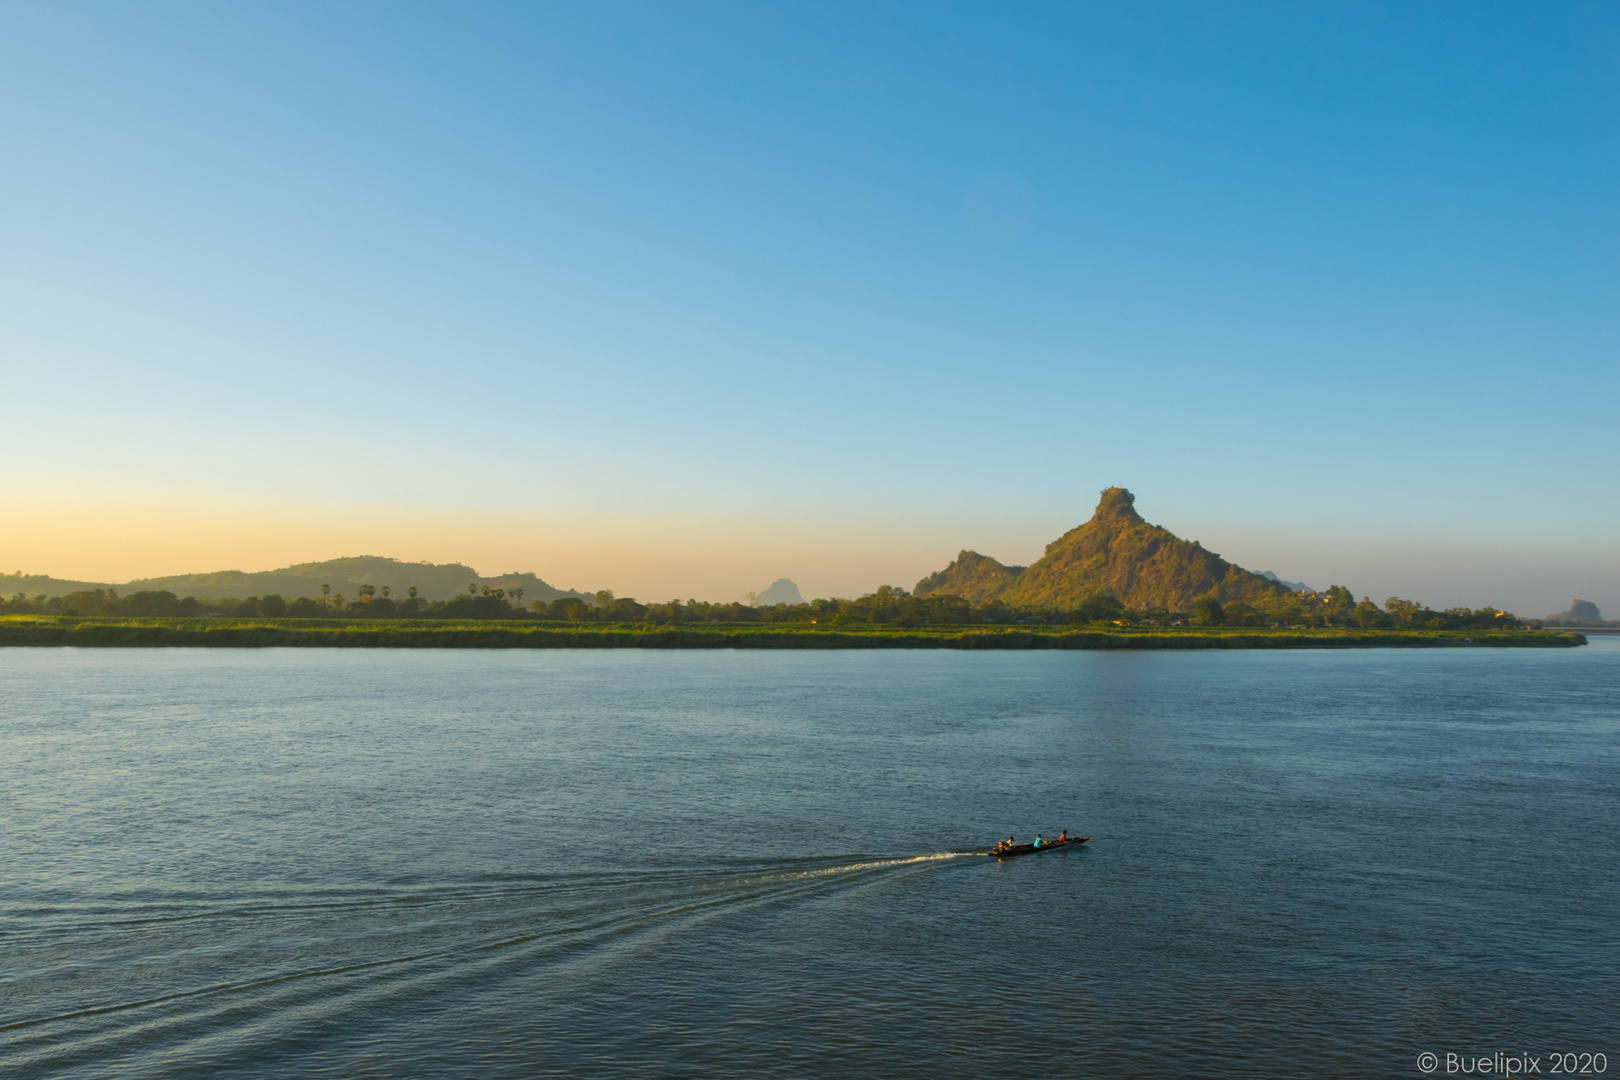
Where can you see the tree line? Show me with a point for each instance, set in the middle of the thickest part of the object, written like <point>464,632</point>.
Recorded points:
<point>889,605</point>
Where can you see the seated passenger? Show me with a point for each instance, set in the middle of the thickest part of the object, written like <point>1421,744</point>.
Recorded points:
<point>1038,841</point>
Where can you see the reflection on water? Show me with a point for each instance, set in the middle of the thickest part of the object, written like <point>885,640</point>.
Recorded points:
<point>577,864</point>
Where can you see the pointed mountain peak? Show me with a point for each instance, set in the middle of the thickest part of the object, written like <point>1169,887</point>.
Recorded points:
<point>1116,553</point>
<point>1119,505</point>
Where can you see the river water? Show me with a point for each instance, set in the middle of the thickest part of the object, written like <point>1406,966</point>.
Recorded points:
<point>519,864</point>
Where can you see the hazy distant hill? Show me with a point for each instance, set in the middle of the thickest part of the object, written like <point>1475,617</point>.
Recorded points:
<point>34,584</point>
<point>1296,586</point>
<point>433,581</point>
<point>1580,613</point>
<point>1116,551</point>
<point>782,591</point>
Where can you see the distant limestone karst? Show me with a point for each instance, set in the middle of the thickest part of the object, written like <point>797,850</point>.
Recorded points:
<point>782,591</point>
<point>1116,552</point>
<point>1580,613</point>
<point>1296,586</point>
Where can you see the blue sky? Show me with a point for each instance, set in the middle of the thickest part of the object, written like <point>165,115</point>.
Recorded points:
<point>679,298</point>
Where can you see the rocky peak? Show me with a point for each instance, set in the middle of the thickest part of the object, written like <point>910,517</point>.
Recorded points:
<point>1117,504</point>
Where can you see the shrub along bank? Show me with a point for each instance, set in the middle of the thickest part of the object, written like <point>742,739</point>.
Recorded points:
<point>888,606</point>
<point>443,634</point>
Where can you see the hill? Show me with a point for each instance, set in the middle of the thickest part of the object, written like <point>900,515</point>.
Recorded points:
<point>433,581</point>
<point>976,578</point>
<point>43,584</point>
<point>782,591</point>
<point>1145,566</point>
<point>1580,613</point>
<point>1293,586</point>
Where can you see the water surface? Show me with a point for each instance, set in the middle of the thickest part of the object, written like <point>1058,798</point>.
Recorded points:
<point>492,864</point>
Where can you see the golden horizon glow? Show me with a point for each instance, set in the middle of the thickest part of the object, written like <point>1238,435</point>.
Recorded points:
<point>647,556</point>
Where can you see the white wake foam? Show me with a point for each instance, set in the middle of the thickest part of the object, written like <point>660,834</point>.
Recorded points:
<point>877,864</point>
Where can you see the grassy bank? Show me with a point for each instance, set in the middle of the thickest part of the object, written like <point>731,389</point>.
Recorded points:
<point>440,634</point>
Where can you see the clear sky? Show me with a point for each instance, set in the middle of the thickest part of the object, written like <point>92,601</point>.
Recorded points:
<point>680,298</point>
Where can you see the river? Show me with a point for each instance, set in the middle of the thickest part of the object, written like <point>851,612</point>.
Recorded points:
<point>599,864</point>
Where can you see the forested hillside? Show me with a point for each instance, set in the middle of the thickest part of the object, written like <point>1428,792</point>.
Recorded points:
<point>976,578</point>
<point>432,581</point>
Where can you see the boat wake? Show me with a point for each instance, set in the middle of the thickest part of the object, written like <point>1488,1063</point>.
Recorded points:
<point>881,864</point>
<point>220,977</point>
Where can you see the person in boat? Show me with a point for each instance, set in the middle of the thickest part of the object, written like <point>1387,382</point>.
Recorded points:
<point>1063,837</point>
<point>1038,841</point>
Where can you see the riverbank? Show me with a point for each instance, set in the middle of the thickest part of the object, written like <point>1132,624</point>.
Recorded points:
<point>22,630</point>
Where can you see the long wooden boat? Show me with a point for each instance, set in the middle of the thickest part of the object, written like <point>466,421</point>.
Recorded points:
<point>1030,849</point>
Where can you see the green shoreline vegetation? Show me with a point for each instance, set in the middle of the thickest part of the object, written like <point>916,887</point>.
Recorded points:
<point>888,607</point>
<point>227,632</point>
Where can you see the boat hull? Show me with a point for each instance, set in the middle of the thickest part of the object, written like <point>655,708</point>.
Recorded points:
<point>1031,849</point>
